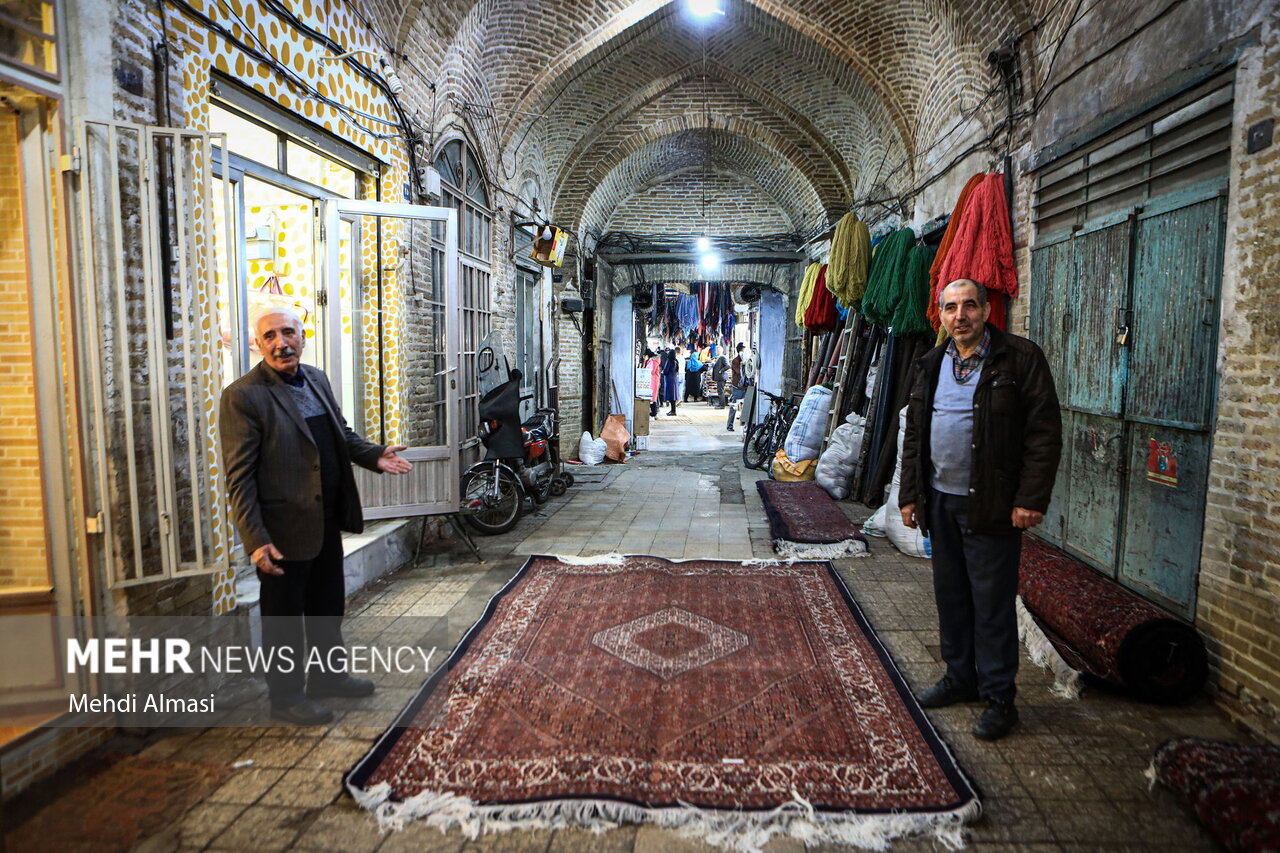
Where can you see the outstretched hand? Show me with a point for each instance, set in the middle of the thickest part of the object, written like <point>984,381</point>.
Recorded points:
<point>391,462</point>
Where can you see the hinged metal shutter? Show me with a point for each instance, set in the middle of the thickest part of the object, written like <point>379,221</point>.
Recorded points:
<point>148,342</point>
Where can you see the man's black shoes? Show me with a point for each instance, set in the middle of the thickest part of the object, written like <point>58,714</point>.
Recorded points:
<point>946,692</point>
<point>346,687</point>
<point>997,721</point>
<point>302,713</point>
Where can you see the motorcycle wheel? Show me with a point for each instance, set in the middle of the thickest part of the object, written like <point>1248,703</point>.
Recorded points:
<point>558,486</point>
<point>492,517</point>
<point>542,494</point>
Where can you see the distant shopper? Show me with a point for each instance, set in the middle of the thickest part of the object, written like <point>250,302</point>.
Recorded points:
<point>720,377</point>
<point>671,364</point>
<point>693,376</point>
<point>739,381</point>
<point>652,362</point>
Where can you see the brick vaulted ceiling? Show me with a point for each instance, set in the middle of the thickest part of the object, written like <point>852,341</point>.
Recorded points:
<point>811,104</point>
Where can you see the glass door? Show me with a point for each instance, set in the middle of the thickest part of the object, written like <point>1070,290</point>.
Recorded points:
<point>400,243</point>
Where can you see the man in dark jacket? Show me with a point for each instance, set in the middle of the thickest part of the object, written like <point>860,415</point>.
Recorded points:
<point>979,458</point>
<point>288,454</point>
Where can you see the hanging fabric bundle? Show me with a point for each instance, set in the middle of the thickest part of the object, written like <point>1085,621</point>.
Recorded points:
<point>888,272</point>
<point>687,310</point>
<point>983,247</point>
<point>910,315</point>
<point>821,316</point>
<point>948,237</point>
<point>806,292</point>
<point>850,260</point>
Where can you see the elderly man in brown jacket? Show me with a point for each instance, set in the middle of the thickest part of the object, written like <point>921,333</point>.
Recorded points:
<point>979,458</point>
<point>288,454</point>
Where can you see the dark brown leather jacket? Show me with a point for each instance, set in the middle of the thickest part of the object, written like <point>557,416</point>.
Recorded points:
<point>1017,434</point>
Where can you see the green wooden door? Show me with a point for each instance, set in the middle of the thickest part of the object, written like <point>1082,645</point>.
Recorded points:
<point>1126,309</point>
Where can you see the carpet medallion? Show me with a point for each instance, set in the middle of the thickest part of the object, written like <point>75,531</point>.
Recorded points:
<point>731,700</point>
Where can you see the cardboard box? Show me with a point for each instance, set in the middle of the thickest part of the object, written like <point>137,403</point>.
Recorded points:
<point>640,417</point>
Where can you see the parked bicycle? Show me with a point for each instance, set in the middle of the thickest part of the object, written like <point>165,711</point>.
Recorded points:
<point>761,443</point>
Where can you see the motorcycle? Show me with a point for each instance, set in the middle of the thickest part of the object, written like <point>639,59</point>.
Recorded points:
<point>521,460</point>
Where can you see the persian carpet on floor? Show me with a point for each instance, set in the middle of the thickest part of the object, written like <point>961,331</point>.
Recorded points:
<point>1097,626</point>
<point>729,701</point>
<point>806,524</point>
<point>1233,790</point>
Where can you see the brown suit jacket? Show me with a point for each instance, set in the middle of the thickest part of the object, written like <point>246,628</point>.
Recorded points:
<point>273,466</point>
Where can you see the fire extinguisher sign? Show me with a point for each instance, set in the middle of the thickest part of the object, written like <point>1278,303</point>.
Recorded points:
<point>1162,464</point>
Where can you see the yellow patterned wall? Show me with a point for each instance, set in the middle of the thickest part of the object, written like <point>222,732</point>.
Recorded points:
<point>203,51</point>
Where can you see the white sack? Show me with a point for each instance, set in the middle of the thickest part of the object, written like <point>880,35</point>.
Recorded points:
<point>835,466</point>
<point>911,542</point>
<point>804,439</point>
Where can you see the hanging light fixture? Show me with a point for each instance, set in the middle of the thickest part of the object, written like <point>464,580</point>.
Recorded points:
<point>703,9</point>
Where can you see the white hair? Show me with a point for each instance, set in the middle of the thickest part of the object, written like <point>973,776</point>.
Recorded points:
<point>255,316</point>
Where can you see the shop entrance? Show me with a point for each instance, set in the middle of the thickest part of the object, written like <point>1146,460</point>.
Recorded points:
<point>38,593</point>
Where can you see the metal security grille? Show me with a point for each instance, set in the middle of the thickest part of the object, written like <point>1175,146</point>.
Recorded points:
<point>1186,140</point>
<point>144,202</point>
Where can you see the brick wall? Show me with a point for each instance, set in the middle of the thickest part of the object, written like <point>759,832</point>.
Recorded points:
<point>737,207</point>
<point>1239,595</point>
<point>22,538</point>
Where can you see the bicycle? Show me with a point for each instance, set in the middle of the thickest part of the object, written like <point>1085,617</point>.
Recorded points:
<point>762,440</point>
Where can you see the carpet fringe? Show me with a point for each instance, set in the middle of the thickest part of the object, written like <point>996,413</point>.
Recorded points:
<point>613,559</point>
<point>1066,681</point>
<point>820,551</point>
<point>744,832</point>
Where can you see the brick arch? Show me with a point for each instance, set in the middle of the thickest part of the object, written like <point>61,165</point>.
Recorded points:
<point>572,189</point>
<point>677,95</point>
<point>686,149</point>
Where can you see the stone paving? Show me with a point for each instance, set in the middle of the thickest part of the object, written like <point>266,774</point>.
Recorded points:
<point>1069,778</point>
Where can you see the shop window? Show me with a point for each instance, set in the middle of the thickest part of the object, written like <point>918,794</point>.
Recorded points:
<point>278,183</point>
<point>28,35</point>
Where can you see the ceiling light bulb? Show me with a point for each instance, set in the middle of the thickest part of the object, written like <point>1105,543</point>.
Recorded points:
<point>705,8</point>
<point>709,261</point>
<point>704,245</point>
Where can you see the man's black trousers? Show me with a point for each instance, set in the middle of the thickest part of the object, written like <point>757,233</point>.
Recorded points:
<point>975,582</point>
<point>302,616</point>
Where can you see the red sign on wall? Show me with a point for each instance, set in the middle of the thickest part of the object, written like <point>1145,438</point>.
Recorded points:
<point>1162,464</point>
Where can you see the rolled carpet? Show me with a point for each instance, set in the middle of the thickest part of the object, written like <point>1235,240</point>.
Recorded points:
<point>1233,790</point>
<point>1103,629</point>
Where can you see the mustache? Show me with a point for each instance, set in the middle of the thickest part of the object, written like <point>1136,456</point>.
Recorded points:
<point>283,352</point>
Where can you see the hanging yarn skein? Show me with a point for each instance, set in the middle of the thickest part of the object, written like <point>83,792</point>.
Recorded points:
<point>850,260</point>
<point>910,316</point>
<point>888,272</point>
<point>806,292</point>
<point>944,247</point>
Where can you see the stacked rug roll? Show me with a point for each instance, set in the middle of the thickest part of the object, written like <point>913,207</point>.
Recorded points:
<point>1101,628</point>
<point>1233,790</point>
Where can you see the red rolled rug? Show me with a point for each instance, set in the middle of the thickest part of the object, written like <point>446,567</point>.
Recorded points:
<point>1234,790</point>
<point>1101,628</point>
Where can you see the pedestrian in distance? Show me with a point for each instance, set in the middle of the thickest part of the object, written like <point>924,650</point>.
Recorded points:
<point>739,381</point>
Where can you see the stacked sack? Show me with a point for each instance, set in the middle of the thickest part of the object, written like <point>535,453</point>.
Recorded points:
<point>887,520</point>
<point>804,440</point>
<point>836,465</point>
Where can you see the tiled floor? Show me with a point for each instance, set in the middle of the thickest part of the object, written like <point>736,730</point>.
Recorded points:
<point>1070,778</point>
